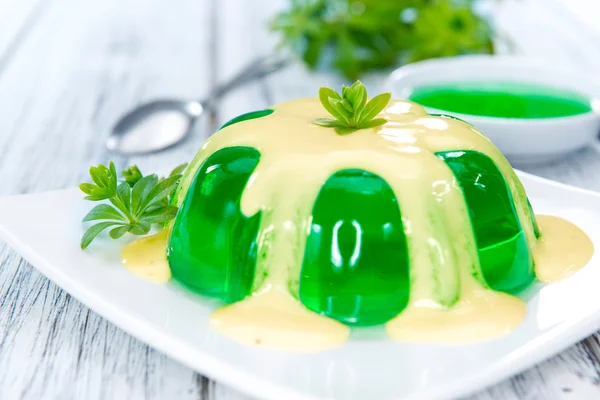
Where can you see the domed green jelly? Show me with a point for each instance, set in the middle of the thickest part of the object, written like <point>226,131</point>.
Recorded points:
<point>504,256</point>
<point>356,258</point>
<point>356,265</point>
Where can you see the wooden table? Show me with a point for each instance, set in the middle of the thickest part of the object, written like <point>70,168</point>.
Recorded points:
<point>68,68</point>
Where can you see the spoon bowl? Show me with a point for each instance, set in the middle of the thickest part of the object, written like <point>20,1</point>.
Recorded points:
<point>154,126</point>
<point>161,124</point>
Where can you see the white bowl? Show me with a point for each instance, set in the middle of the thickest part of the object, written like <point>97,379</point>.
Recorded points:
<point>523,141</point>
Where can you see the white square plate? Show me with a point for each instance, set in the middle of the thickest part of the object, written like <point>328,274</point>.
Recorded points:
<point>45,229</point>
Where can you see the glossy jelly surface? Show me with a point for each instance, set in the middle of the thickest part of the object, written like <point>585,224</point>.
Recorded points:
<point>506,262</point>
<point>355,265</point>
<point>502,99</point>
<point>247,116</point>
<point>212,248</point>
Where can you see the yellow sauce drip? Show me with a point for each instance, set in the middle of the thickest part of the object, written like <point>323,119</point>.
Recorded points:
<point>147,258</point>
<point>297,157</point>
<point>479,314</point>
<point>562,250</point>
<point>275,320</point>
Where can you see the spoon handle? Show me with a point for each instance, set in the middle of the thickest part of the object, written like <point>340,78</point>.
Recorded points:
<point>257,69</point>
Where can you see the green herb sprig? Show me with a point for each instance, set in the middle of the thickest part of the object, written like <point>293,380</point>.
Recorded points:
<point>351,109</point>
<point>354,37</point>
<point>136,203</point>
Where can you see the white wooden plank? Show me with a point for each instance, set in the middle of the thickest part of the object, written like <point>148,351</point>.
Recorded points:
<point>82,65</point>
<point>241,29</point>
<point>17,17</point>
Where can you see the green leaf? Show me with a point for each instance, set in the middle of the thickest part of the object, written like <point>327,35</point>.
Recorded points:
<point>98,176</point>
<point>345,91</point>
<point>132,175</point>
<point>113,175</point>
<point>104,186</point>
<point>160,215</point>
<point>178,170</point>
<point>87,188</point>
<point>360,101</point>
<point>119,231</point>
<point>328,122</point>
<point>104,211</point>
<point>337,114</point>
<point>95,198</point>
<point>375,106</point>
<point>124,195</point>
<point>94,231</point>
<point>347,106</point>
<point>373,123</point>
<point>141,228</point>
<point>346,115</point>
<point>324,95</point>
<point>344,130</point>
<point>357,84</point>
<point>115,201</point>
<point>355,93</point>
<point>159,192</point>
<point>140,191</point>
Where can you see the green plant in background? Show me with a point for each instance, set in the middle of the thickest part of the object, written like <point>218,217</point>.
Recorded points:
<point>356,36</point>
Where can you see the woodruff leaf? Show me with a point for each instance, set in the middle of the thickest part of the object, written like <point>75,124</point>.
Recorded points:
<point>87,188</point>
<point>328,122</point>
<point>375,106</point>
<point>94,231</point>
<point>119,231</point>
<point>124,195</point>
<point>344,130</point>
<point>347,106</point>
<point>373,123</point>
<point>178,170</point>
<point>345,91</point>
<point>159,191</point>
<point>104,212</point>
<point>141,228</point>
<point>160,215</point>
<point>324,95</point>
<point>140,191</point>
<point>351,110</point>
<point>137,201</point>
<point>105,183</point>
<point>360,102</point>
<point>132,175</point>
<point>341,113</point>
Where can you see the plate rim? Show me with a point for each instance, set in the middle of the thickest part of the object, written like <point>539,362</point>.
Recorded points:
<point>538,350</point>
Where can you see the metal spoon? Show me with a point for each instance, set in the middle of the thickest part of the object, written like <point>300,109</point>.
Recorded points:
<point>160,124</point>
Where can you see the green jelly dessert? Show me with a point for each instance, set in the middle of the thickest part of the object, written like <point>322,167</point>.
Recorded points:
<point>355,226</point>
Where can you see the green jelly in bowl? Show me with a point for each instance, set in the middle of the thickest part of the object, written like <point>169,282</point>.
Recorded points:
<point>532,111</point>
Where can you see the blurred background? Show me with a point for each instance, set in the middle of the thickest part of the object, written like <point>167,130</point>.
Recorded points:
<point>70,68</point>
